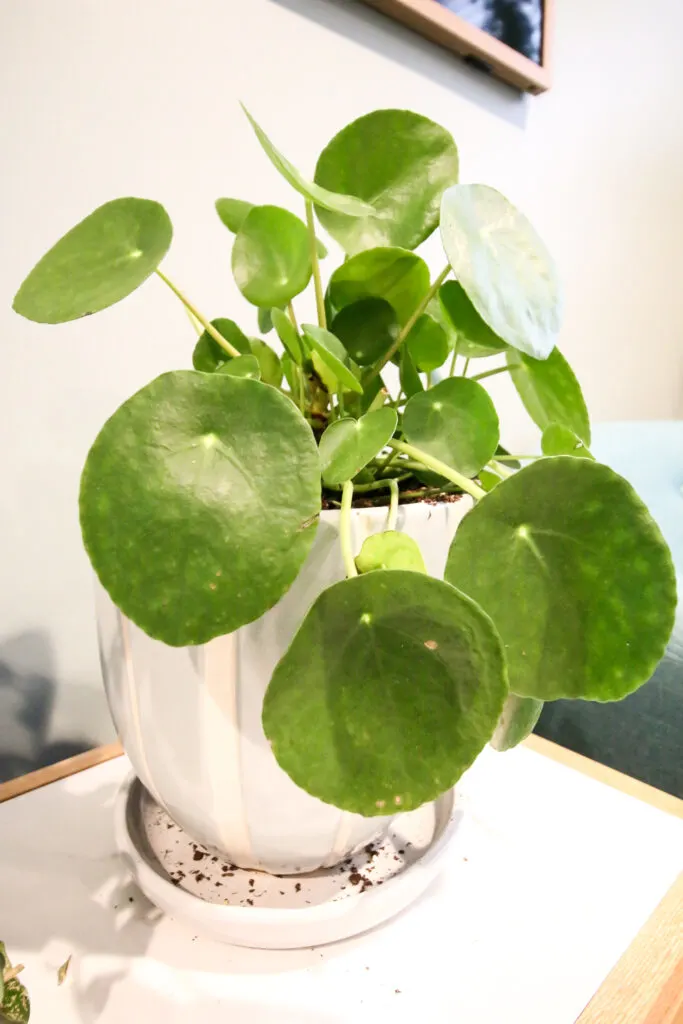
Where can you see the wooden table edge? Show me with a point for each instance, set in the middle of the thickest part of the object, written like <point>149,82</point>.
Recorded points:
<point>646,984</point>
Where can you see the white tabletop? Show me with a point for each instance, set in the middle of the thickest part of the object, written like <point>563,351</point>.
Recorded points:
<point>550,877</point>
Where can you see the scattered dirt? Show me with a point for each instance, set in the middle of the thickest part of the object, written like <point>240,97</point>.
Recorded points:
<point>411,493</point>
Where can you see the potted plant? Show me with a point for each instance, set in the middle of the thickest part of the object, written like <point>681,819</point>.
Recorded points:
<point>325,586</point>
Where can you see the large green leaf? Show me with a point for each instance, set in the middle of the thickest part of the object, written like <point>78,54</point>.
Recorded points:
<point>367,329</point>
<point>456,422</point>
<point>388,692</point>
<point>517,721</point>
<point>348,445</point>
<point>288,335</point>
<point>271,261</point>
<point>345,204</point>
<point>550,392</point>
<point>399,277</point>
<point>390,550</point>
<point>559,440</point>
<point>100,261</point>
<point>334,356</point>
<point>190,511</point>
<point>475,339</point>
<point>503,266</point>
<point>269,362</point>
<point>233,213</point>
<point>427,343</point>
<point>400,162</point>
<point>567,561</point>
<point>208,355</point>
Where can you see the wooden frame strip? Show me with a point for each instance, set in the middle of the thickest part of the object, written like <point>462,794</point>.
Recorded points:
<point>447,29</point>
<point>60,770</point>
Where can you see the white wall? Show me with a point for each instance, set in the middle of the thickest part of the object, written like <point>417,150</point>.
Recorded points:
<point>140,98</point>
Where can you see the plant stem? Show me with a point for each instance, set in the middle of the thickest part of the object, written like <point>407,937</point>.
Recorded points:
<point>441,468</point>
<point>451,370</point>
<point>429,378</point>
<point>195,323</point>
<point>340,404</point>
<point>374,485</point>
<point>208,327</point>
<point>501,470</point>
<point>302,391</point>
<point>292,317</point>
<point>317,282</point>
<point>465,368</point>
<point>386,461</point>
<point>518,458</point>
<point>490,373</point>
<point>345,530</point>
<point>410,323</point>
<point>393,504</point>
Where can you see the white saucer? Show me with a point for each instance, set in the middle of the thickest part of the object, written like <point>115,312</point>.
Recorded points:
<point>252,908</point>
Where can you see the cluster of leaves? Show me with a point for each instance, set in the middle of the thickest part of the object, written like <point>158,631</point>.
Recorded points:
<point>201,495</point>
<point>15,1005</point>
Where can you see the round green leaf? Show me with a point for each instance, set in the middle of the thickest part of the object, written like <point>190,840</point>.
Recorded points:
<point>411,383</point>
<point>388,692</point>
<point>567,561</point>
<point>348,445</point>
<point>269,362</point>
<point>271,262</point>
<point>399,277</point>
<point>558,440</point>
<point>427,343</point>
<point>242,366</point>
<point>475,339</point>
<point>333,354</point>
<point>390,550</point>
<point>456,422</point>
<point>367,329</point>
<point>208,355</point>
<point>398,161</point>
<point>100,261</point>
<point>503,266</point>
<point>233,212</point>
<point>190,512</point>
<point>550,392</point>
<point>345,204</point>
<point>517,720</point>
<point>288,335</point>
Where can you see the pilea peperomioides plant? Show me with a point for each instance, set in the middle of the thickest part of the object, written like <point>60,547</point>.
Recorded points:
<point>201,495</point>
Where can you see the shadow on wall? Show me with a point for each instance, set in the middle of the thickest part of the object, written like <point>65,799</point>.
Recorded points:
<point>389,39</point>
<point>27,698</point>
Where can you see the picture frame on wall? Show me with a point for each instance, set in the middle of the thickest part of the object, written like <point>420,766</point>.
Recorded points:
<point>510,39</point>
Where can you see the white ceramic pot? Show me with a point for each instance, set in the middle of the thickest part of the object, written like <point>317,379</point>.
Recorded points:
<point>190,718</point>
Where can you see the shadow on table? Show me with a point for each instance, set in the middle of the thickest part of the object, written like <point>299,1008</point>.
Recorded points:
<point>78,895</point>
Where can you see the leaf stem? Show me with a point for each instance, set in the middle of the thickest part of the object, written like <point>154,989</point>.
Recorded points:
<point>441,468</point>
<point>393,503</point>
<point>315,264</point>
<point>516,458</point>
<point>386,461</point>
<point>292,317</point>
<point>490,373</point>
<point>345,530</point>
<point>503,471</point>
<point>465,367</point>
<point>208,327</point>
<point>409,324</point>
<point>451,369</point>
<point>374,485</point>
